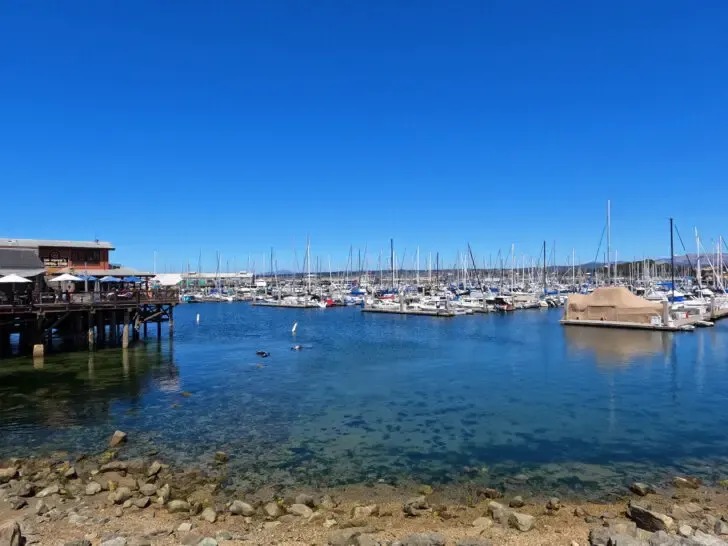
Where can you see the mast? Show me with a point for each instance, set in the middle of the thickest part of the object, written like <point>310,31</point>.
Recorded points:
<point>308,263</point>
<point>391,258</point>
<point>672,260</point>
<point>544,267</point>
<point>418,268</point>
<point>609,242</point>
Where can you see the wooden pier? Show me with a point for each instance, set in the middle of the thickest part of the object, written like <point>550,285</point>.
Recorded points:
<point>85,322</point>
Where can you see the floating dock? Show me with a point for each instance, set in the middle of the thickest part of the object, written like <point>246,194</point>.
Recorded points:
<point>677,327</point>
<point>419,312</point>
<point>288,305</point>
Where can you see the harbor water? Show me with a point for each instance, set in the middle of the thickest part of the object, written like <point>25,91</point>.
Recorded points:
<point>494,399</point>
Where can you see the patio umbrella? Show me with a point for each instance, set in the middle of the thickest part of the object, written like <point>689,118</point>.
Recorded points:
<point>13,279</point>
<point>132,279</point>
<point>109,278</point>
<point>66,277</point>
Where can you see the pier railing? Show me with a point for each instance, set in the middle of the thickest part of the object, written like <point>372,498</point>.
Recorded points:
<point>34,301</point>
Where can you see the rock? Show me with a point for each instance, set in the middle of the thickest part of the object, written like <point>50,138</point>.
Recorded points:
<point>118,512</point>
<point>139,541</point>
<point>240,508</point>
<point>327,503</point>
<point>148,489</point>
<point>70,473</point>
<point>599,536</point>
<point>50,490</point>
<point>625,540</point>
<point>93,488</point>
<point>121,495</point>
<point>522,522</point>
<point>142,502</point>
<point>627,528</point>
<point>272,510</point>
<point>305,498</point>
<point>489,493</point>
<point>223,535</point>
<point>164,493</point>
<point>178,506</point>
<point>482,523</point>
<point>329,523</point>
<point>300,510</point>
<point>7,474</point>
<point>498,512</point>
<point>416,506</point>
<point>346,537</point>
<point>154,469</point>
<point>184,527</point>
<point>553,505</point>
<point>209,515</point>
<point>702,539</point>
<point>679,513</point>
<point>361,512</point>
<point>517,502</point>
<point>129,482</point>
<point>721,527</point>
<point>424,539</point>
<point>191,539</point>
<point>687,482</point>
<point>221,457</point>
<point>114,466</point>
<point>17,503</point>
<point>271,524</point>
<point>41,508</point>
<point>649,520</point>
<point>473,542</point>
<point>118,438</point>
<point>684,530</point>
<point>207,541</point>
<point>661,538</point>
<point>367,540</point>
<point>81,542</point>
<point>425,490</point>
<point>10,534</point>
<point>116,541</point>
<point>25,489</point>
<point>579,512</point>
<point>641,489</point>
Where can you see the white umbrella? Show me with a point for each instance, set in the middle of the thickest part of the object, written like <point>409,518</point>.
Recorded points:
<point>66,277</point>
<point>12,279</point>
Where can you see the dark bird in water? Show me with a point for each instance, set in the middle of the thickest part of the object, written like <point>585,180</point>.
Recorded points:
<point>296,348</point>
<point>262,354</point>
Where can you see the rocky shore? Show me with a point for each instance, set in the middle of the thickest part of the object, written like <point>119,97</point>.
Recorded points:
<point>108,500</point>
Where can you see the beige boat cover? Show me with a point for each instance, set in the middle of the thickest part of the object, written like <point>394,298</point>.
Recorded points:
<point>612,303</point>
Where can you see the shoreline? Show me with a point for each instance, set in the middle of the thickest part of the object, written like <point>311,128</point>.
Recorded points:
<point>113,501</point>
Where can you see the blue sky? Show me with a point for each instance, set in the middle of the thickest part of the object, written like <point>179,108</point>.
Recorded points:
<point>239,126</point>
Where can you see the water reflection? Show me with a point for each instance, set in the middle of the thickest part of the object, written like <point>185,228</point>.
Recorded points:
<point>613,347</point>
<point>78,388</point>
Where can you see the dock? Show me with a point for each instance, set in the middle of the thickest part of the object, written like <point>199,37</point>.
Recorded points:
<point>89,320</point>
<point>677,327</point>
<point>286,304</point>
<point>444,313</point>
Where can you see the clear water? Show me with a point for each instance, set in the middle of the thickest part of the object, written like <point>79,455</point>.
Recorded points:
<point>371,397</point>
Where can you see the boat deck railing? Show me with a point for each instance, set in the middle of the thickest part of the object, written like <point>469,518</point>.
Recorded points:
<point>40,301</point>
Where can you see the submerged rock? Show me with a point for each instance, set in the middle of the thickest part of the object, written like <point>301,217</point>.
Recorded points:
<point>117,438</point>
<point>209,515</point>
<point>114,466</point>
<point>687,482</point>
<point>517,502</point>
<point>641,489</point>
<point>416,506</point>
<point>154,469</point>
<point>148,489</point>
<point>305,498</point>
<point>498,512</point>
<point>121,495</point>
<point>553,505</point>
<point>648,519</point>
<point>93,488</point>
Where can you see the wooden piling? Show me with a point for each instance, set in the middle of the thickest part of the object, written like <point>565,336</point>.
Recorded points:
<point>125,330</point>
<point>171,321</point>
<point>91,331</point>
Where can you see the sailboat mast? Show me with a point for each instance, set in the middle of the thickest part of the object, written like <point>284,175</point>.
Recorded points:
<point>609,242</point>
<point>308,262</point>
<point>672,260</point>
<point>418,267</point>
<point>544,267</point>
<point>391,258</point>
<point>573,269</point>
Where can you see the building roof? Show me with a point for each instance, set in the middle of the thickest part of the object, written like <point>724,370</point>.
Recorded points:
<point>36,243</point>
<point>19,261</point>
<point>96,272</point>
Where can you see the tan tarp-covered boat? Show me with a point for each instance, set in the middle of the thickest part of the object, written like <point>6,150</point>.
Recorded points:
<point>614,304</point>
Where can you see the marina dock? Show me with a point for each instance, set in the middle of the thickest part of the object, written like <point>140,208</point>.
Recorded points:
<point>420,312</point>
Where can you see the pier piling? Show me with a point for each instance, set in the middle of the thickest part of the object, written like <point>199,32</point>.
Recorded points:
<point>125,330</point>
